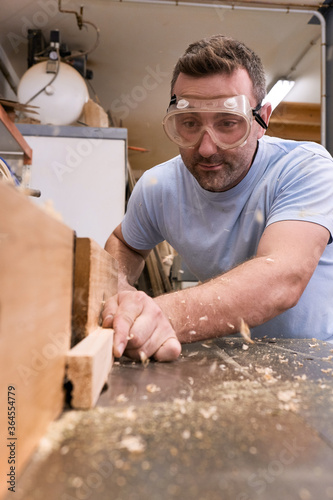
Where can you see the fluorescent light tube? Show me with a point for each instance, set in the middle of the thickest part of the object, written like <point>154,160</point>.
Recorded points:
<point>278,92</point>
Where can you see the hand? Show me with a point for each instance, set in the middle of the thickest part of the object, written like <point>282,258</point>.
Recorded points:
<point>141,328</point>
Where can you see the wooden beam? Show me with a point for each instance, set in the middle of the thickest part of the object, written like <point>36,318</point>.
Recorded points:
<point>88,366</point>
<point>95,280</point>
<point>296,121</point>
<point>36,275</point>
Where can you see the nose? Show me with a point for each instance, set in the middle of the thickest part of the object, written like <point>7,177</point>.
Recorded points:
<point>207,146</point>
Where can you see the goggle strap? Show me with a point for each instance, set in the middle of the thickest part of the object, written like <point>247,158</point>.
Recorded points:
<point>173,100</point>
<point>258,118</point>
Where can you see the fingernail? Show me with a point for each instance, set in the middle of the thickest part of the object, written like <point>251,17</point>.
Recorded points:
<point>108,319</point>
<point>120,349</point>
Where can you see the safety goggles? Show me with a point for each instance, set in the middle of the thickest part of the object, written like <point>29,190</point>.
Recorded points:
<point>227,120</point>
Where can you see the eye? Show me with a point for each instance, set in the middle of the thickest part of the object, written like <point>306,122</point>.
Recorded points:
<point>190,123</point>
<point>227,123</point>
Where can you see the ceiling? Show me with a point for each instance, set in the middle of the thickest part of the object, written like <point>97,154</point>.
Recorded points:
<point>140,43</point>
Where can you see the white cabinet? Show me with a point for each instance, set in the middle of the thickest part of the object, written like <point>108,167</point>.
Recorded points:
<point>82,171</point>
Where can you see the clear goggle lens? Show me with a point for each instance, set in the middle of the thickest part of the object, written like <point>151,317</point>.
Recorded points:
<point>227,120</point>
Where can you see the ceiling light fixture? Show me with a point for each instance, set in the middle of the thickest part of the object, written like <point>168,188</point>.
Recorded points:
<point>279,91</point>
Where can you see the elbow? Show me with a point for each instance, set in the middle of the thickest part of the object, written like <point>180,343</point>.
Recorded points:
<point>292,293</point>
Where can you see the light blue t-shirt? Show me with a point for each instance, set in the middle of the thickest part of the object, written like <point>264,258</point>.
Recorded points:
<point>214,232</point>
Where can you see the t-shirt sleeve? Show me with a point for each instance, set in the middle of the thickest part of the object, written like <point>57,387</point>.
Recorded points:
<point>138,227</point>
<point>305,192</point>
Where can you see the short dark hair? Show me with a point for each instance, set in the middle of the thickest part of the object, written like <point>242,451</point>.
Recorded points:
<point>221,54</point>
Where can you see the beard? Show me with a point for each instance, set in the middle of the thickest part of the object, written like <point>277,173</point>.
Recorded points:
<point>219,172</point>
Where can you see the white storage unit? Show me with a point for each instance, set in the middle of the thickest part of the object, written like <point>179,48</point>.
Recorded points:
<point>82,171</point>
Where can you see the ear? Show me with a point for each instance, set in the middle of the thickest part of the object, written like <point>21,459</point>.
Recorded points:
<point>265,113</point>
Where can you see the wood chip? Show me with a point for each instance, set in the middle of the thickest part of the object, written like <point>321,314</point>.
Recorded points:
<point>245,332</point>
<point>152,388</point>
<point>134,444</point>
<point>144,359</point>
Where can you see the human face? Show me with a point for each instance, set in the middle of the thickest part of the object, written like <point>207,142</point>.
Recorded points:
<point>214,168</point>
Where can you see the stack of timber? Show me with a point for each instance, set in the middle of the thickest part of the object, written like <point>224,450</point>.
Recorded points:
<point>295,120</point>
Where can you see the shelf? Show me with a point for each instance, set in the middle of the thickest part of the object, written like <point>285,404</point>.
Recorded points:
<point>11,140</point>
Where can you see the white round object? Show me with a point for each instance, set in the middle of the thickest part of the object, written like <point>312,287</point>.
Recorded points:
<point>60,103</point>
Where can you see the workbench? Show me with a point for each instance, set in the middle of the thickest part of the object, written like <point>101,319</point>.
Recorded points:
<point>228,420</point>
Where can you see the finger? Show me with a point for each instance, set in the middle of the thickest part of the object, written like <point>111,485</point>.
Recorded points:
<point>109,310</point>
<point>169,351</point>
<point>129,309</point>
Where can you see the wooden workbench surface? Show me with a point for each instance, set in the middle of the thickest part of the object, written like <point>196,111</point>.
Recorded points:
<point>223,422</point>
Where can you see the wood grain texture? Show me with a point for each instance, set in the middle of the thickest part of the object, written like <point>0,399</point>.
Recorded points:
<point>95,280</point>
<point>36,276</point>
<point>88,366</point>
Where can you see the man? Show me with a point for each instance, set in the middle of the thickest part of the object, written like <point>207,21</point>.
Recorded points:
<point>251,216</point>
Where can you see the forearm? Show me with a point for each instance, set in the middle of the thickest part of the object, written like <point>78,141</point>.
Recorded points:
<point>255,291</point>
<point>130,263</point>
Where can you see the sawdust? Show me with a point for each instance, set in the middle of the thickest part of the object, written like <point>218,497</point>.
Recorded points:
<point>245,332</point>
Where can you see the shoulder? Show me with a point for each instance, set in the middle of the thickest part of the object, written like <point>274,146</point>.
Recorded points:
<point>164,176</point>
<point>301,149</point>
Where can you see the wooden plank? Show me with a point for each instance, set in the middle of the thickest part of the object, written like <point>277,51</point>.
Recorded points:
<point>297,113</point>
<point>88,366</point>
<point>95,280</point>
<point>36,275</point>
<point>294,132</point>
<point>297,121</point>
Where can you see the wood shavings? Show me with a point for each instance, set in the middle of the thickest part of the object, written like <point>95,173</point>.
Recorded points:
<point>192,332</point>
<point>121,398</point>
<point>152,388</point>
<point>209,413</point>
<point>231,325</point>
<point>259,216</point>
<point>245,332</point>
<point>328,358</point>
<point>207,346</point>
<point>245,347</point>
<point>213,367</point>
<point>326,371</point>
<point>168,259</point>
<point>144,359</point>
<point>286,396</point>
<point>186,434</point>
<point>314,345</point>
<point>203,318</point>
<point>127,414</point>
<point>134,444</point>
<point>267,374</point>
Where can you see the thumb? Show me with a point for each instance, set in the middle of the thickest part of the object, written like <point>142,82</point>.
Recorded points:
<point>169,350</point>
